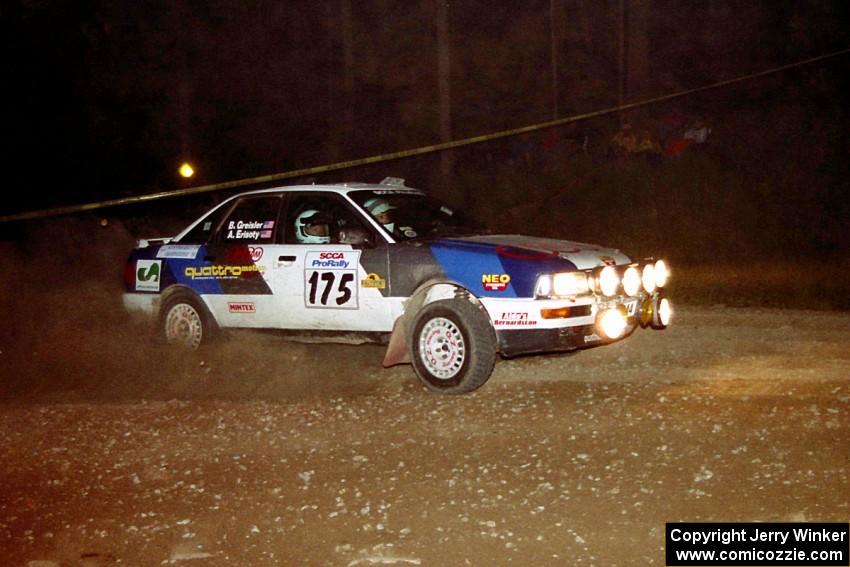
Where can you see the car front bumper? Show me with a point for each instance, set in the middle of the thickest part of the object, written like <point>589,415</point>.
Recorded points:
<point>515,342</point>
<point>580,328</point>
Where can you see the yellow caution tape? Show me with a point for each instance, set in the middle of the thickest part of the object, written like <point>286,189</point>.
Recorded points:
<point>401,154</point>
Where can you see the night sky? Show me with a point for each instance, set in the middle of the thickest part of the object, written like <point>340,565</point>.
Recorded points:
<point>108,98</point>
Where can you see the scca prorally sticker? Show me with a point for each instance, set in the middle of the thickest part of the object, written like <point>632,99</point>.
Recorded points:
<point>148,274</point>
<point>330,279</point>
<point>183,251</point>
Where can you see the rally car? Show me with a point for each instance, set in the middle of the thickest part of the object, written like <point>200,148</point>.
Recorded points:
<point>395,264</point>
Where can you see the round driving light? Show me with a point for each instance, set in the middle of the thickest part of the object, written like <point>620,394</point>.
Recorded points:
<point>662,273</point>
<point>612,323</point>
<point>649,278</point>
<point>609,281</point>
<point>631,281</point>
<point>665,311</point>
<point>662,312</point>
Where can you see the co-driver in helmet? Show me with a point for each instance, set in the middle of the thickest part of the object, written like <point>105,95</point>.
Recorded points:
<point>380,210</point>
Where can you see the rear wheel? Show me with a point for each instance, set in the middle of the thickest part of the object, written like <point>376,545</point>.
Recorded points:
<point>185,321</point>
<point>453,347</point>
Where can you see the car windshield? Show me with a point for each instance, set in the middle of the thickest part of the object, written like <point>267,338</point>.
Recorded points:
<point>408,215</point>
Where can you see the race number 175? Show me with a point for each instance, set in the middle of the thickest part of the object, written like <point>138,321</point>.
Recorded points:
<point>331,289</point>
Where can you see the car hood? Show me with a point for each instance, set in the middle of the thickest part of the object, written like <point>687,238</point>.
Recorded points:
<point>583,256</point>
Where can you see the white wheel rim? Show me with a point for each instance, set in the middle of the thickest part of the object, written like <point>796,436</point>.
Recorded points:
<point>183,326</point>
<point>442,348</point>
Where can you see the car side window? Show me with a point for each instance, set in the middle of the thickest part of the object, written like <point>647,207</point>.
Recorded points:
<point>201,232</point>
<point>320,219</point>
<point>253,220</point>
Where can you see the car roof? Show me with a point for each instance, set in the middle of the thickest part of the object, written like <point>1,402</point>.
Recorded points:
<point>339,188</point>
<point>392,185</point>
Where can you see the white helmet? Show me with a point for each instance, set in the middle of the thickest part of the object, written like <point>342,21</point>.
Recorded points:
<point>377,206</point>
<point>303,225</point>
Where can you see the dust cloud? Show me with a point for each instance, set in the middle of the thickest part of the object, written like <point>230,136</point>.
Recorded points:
<point>65,335</point>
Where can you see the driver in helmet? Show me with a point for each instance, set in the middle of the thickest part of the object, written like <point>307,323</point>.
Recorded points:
<point>380,210</point>
<point>311,227</point>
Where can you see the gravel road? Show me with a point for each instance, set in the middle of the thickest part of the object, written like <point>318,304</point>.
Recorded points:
<point>266,452</point>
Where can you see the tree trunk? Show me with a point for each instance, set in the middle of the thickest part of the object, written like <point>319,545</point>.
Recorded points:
<point>444,87</point>
<point>637,57</point>
<point>348,69</point>
<point>555,34</point>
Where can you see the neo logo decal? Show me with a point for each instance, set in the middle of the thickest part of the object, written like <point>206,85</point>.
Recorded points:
<point>147,275</point>
<point>495,282</point>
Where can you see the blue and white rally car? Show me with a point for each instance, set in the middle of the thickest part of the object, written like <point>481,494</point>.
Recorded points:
<point>396,265</point>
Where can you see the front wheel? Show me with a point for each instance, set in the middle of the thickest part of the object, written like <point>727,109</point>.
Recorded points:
<point>453,347</point>
<point>185,321</point>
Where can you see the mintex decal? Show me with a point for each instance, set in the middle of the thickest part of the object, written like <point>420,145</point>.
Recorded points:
<point>184,251</point>
<point>374,280</point>
<point>241,307</point>
<point>514,319</point>
<point>148,274</point>
<point>330,279</point>
<point>495,282</point>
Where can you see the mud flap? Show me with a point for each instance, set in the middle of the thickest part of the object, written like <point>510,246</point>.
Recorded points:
<point>397,352</point>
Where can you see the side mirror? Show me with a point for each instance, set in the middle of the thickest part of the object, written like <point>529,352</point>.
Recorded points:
<point>355,236</point>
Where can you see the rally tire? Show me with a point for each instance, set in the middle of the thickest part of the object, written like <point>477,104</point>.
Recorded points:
<point>452,346</point>
<point>185,321</point>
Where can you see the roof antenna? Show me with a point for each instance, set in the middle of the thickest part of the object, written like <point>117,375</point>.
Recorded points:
<point>393,181</point>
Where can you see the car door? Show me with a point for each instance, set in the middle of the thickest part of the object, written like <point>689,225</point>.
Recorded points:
<point>235,273</point>
<point>329,285</point>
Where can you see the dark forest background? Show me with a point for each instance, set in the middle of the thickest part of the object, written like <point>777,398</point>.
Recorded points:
<point>108,98</point>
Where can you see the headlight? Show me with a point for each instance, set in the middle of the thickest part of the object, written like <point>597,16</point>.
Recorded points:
<point>649,278</point>
<point>563,284</point>
<point>662,273</point>
<point>569,283</point>
<point>631,281</point>
<point>609,281</point>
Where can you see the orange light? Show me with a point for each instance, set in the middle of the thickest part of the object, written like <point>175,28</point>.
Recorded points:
<point>559,313</point>
<point>186,170</point>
